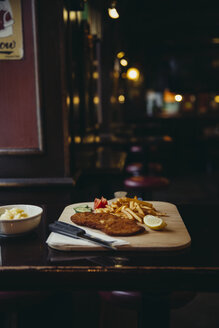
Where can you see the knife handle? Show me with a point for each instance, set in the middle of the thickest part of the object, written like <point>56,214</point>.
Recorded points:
<point>63,231</point>
<point>67,232</point>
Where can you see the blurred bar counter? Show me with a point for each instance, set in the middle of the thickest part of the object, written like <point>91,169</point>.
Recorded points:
<point>110,154</point>
<point>103,160</point>
<point>120,142</point>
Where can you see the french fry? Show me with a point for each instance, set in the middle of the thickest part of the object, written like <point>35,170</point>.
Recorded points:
<point>138,201</point>
<point>131,208</point>
<point>139,209</point>
<point>125,211</point>
<point>118,209</point>
<point>134,214</point>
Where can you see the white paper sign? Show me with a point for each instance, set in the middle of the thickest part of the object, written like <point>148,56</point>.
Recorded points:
<point>11,37</point>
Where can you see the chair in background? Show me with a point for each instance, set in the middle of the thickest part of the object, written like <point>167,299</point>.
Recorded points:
<point>134,169</point>
<point>143,177</point>
<point>134,309</point>
<point>143,186</point>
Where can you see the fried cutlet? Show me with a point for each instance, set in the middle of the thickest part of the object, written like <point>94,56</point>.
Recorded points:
<point>108,223</point>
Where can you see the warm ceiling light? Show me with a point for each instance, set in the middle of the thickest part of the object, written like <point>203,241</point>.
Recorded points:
<point>133,74</point>
<point>120,54</point>
<point>178,98</point>
<point>113,13</point>
<point>121,99</point>
<point>123,62</point>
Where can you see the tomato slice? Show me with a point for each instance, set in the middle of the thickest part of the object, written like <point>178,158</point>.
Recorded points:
<point>104,201</point>
<point>97,203</point>
<point>100,203</point>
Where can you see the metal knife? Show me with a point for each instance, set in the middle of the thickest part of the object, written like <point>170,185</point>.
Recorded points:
<point>78,233</point>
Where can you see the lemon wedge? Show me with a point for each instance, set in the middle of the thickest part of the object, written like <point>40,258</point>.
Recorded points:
<point>154,223</point>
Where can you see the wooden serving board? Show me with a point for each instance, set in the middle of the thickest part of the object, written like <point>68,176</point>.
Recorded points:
<point>175,236</point>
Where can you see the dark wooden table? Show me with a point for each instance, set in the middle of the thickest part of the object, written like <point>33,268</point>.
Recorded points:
<point>28,264</point>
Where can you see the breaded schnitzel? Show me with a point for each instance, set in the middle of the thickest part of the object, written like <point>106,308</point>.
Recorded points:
<point>108,223</point>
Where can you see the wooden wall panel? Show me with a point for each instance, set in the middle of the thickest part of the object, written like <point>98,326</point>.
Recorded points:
<point>53,161</point>
<point>20,126</point>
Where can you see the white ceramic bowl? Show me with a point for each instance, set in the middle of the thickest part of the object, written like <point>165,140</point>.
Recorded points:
<point>23,225</point>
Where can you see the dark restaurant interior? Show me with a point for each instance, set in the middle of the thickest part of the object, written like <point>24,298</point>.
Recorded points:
<point>93,118</point>
<point>98,104</point>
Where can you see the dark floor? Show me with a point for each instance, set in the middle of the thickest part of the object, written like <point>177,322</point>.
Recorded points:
<point>199,312</point>
<point>84,309</point>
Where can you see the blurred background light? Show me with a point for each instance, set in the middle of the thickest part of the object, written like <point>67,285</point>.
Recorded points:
<point>215,40</point>
<point>72,15</point>
<point>168,97</point>
<point>77,139</point>
<point>76,100</point>
<point>96,100</point>
<point>121,99</point>
<point>116,75</point>
<point>113,100</point>
<point>178,98</point>
<point>69,139</point>
<point>113,13</point>
<point>133,73</point>
<point>65,15</point>
<point>123,62</point>
<point>68,101</point>
<point>120,54</point>
<point>95,75</point>
<point>216,99</point>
